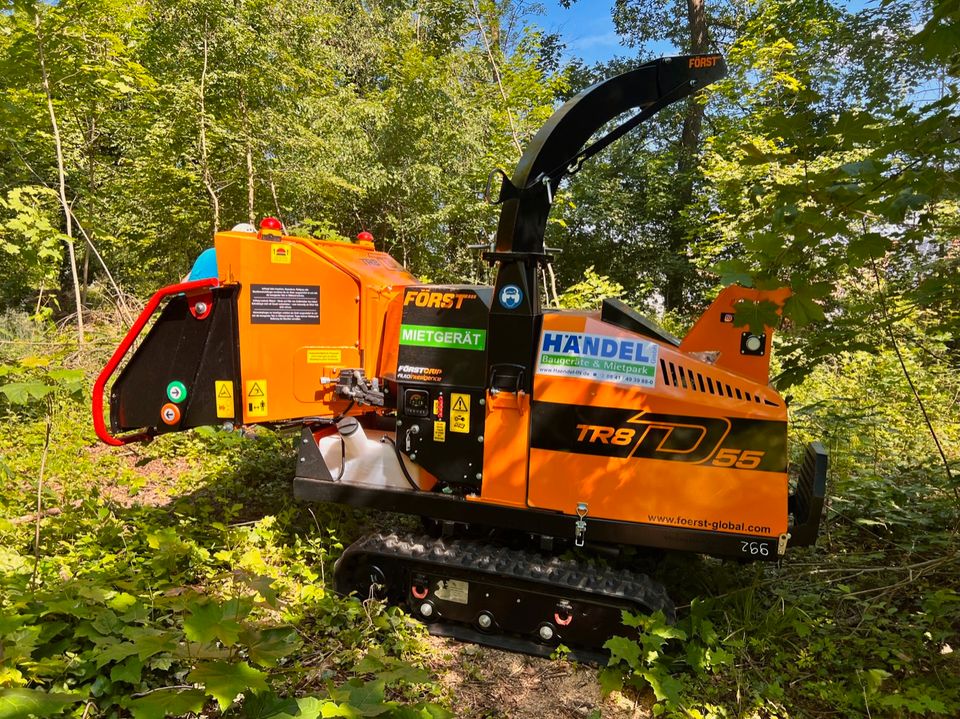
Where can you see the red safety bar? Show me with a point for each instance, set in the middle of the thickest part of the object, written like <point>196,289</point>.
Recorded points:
<point>98,387</point>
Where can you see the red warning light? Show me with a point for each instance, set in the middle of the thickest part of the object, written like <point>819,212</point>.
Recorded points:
<point>270,228</point>
<point>365,238</point>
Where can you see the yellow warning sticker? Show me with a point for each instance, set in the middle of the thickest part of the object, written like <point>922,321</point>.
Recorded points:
<point>460,413</point>
<point>280,254</point>
<point>256,398</point>
<point>324,356</point>
<point>439,431</point>
<point>224,390</point>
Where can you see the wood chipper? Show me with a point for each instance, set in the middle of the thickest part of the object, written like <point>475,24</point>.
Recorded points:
<point>515,431</point>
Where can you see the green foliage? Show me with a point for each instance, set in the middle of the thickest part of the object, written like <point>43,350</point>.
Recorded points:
<point>662,654</point>
<point>841,187</point>
<point>35,378</point>
<point>590,292</point>
<point>30,240</point>
<point>211,599</point>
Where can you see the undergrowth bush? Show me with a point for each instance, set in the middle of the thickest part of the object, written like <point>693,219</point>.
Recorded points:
<point>176,577</point>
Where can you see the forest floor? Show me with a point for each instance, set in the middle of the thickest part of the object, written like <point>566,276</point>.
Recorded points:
<point>485,683</point>
<point>193,543</point>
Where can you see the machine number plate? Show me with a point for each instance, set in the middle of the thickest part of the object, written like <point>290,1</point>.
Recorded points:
<point>453,590</point>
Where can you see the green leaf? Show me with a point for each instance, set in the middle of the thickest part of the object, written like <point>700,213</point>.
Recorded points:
<point>306,708</point>
<point>65,375</point>
<point>857,169</point>
<point>611,680</point>
<point>166,702</point>
<point>802,310</point>
<point>367,698</point>
<point>755,316</point>
<point>874,679</point>
<point>150,641</point>
<point>269,706</point>
<point>24,392</point>
<point>22,703</point>
<point>623,650</point>
<point>734,272</point>
<point>208,622</point>
<point>129,671</point>
<point>224,682</point>
<point>116,653</point>
<point>407,674</point>
<point>665,688</point>
<point>268,646</point>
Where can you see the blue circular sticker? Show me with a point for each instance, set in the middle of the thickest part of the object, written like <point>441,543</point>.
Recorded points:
<point>511,296</point>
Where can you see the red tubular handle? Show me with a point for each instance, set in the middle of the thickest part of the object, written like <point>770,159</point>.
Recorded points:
<point>98,387</point>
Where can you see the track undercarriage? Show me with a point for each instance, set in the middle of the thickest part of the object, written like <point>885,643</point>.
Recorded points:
<point>485,592</point>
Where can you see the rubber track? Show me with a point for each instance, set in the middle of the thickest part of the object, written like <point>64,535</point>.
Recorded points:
<point>552,571</point>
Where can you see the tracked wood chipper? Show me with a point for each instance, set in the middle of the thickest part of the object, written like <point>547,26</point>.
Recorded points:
<point>516,432</point>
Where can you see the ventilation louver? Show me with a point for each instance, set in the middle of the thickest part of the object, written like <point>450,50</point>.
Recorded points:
<point>676,375</point>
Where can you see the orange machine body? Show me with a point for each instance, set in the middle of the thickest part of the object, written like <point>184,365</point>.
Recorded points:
<point>700,447</point>
<point>306,310</point>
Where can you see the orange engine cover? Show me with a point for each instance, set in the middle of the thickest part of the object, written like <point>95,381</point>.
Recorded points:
<point>306,309</point>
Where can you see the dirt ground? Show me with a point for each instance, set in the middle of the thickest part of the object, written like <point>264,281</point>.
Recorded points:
<point>492,684</point>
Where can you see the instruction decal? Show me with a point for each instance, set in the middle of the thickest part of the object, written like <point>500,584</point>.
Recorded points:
<point>256,398</point>
<point>322,355</point>
<point>453,590</point>
<point>439,431</point>
<point>280,254</point>
<point>224,392</point>
<point>459,413</point>
<point>619,360</point>
<point>285,304</point>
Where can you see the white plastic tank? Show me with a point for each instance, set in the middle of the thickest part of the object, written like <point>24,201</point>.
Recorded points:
<point>367,457</point>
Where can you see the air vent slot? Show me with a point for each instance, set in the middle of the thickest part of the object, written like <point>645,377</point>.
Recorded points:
<point>676,375</point>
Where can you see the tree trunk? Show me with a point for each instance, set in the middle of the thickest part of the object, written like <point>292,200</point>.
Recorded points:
<point>679,271</point>
<point>204,154</point>
<point>251,178</point>
<point>61,177</point>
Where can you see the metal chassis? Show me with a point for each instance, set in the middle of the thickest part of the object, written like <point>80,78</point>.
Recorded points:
<point>314,483</point>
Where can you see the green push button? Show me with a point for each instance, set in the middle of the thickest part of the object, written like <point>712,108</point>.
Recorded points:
<point>176,392</point>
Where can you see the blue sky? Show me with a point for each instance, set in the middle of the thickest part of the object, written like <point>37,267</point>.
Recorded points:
<point>587,29</point>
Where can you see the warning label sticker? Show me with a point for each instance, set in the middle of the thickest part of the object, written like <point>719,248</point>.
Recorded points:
<point>224,392</point>
<point>324,356</point>
<point>256,398</point>
<point>606,359</point>
<point>439,431</point>
<point>285,304</point>
<point>460,413</point>
<point>280,254</point>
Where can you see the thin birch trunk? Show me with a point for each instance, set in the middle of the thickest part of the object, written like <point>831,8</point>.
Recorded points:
<point>251,177</point>
<point>62,178</point>
<point>204,155</point>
